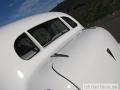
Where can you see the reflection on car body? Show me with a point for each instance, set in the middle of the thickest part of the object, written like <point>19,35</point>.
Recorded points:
<point>53,51</point>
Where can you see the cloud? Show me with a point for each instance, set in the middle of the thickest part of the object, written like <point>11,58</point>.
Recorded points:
<point>12,3</point>
<point>24,8</point>
<point>30,7</point>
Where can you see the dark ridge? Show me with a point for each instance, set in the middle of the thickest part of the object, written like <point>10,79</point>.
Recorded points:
<point>88,11</point>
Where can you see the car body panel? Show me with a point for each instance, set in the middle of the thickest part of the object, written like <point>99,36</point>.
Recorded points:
<point>89,60</point>
<point>15,73</point>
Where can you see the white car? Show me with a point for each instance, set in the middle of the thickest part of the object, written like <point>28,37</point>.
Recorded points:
<point>52,51</point>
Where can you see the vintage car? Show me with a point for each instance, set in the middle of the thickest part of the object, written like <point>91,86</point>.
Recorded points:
<point>52,51</point>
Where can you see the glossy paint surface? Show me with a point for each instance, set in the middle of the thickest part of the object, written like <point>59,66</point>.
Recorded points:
<point>88,61</point>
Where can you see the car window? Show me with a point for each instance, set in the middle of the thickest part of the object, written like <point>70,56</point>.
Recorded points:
<point>25,48</point>
<point>70,22</point>
<point>47,32</point>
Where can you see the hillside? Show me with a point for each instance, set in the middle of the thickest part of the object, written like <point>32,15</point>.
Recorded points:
<point>88,11</point>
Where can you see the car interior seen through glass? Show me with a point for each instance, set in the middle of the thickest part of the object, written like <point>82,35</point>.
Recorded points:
<point>70,22</point>
<point>47,32</point>
<point>25,48</point>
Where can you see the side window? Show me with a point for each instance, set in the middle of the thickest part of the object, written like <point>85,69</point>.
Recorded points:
<point>70,22</point>
<point>47,32</point>
<point>25,48</point>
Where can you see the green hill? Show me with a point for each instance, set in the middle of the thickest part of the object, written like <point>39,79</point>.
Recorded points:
<point>88,11</point>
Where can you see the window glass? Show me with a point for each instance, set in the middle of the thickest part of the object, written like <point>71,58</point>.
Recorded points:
<point>47,32</point>
<point>24,47</point>
<point>70,22</point>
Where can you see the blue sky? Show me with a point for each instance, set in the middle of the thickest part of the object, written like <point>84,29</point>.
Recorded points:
<point>12,10</point>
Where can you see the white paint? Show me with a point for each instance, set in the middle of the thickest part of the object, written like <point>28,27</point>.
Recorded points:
<point>88,62</point>
<point>69,86</point>
<point>20,74</point>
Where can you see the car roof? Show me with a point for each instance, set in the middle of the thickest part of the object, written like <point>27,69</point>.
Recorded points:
<point>25,24</point>
<point>10,32</point>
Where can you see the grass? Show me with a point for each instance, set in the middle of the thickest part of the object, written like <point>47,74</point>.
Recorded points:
<point>98,10</point>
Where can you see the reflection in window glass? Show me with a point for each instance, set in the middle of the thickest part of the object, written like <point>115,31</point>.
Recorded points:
<point>49,31</point>
<point>24,47</point>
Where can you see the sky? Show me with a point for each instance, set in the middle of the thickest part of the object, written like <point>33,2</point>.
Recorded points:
<point>12,10</point>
